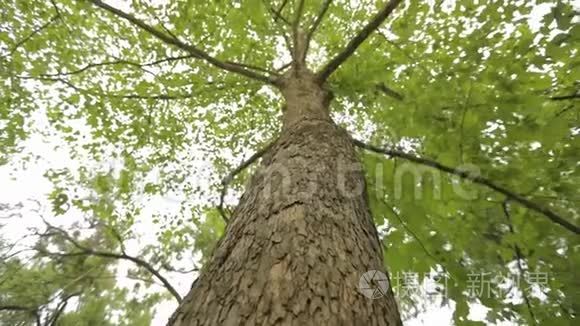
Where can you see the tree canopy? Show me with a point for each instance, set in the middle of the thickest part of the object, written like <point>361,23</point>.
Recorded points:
<point>134,111</point>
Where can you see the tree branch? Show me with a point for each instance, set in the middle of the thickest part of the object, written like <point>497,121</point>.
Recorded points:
<point>168,59</point>
<point>90,252</point>
<point>32,34</point>
<point>281,30</point>
<point>314,27</point>
<point>252,67</point>
<point>476,179</point>
<point>278,13</point>
<point>519,258</point>
<point>60,308</point>
<point>16,308</point>
<point>99,94</point>
<point>198,53</point>
<point>117,236</point>
<point>31,310</point>
<point>93,65</point>
<point>297,35</point>
<point>228,179</point>
<point>355,42</point>
<point>565,97</point>
<point>390,92</point>
<point>284,66</point>
<point>117,62</point>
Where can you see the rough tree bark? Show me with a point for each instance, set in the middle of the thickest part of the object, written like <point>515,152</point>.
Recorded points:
<point>302,235</point>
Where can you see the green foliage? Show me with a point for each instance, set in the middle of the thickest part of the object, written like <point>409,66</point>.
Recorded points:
<point>46,282</point>
<point>485,98</point>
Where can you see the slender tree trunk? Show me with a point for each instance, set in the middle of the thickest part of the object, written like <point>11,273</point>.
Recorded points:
<point>302,235</point>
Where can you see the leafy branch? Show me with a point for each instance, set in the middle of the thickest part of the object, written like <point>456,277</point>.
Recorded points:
<point>281,30</point>
<point>32,34</point>
<point>194,51</point>
<point>476,179</point>
<point>121,96</point>
<point>85,251</point>
<point>16,308</point>
<point>51,319</point>
<point>314,27</point>
<point>355,42</point>
<point>31,310</point>
<point>117,62</point>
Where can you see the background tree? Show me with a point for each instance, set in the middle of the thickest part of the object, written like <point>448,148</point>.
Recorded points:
<point>444,85</point>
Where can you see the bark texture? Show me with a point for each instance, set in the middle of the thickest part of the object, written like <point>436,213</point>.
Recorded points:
<point>301,236</point>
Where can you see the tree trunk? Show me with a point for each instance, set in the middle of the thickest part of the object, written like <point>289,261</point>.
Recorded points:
<point>302,235</point>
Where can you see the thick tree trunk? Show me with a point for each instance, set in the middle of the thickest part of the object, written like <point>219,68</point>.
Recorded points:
<point>302,235</point>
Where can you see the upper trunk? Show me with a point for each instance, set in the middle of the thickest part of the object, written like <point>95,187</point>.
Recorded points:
<point>305,98</point>
<point>302,235</point>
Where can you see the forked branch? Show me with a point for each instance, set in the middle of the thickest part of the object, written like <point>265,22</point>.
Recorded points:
<point>355,42</point>
<point>513,196</point>
<point>278,13</point>
<point>171,40</point>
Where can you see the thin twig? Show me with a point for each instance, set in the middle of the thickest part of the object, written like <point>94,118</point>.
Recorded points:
<point>32,34</point>
<point>413,234</point>
<point>93,65</point>
<point>462,121</point>
<point>168,59</point>
<point>476,179</point>
<point>121,96</point>
<point>118,62</point>
<point>256,68</point>
<point>118,237</point>
<point>519,259</point>
<point>228,179</point>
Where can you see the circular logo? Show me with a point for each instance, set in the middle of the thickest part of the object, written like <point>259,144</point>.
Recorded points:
<point>373,284</point>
